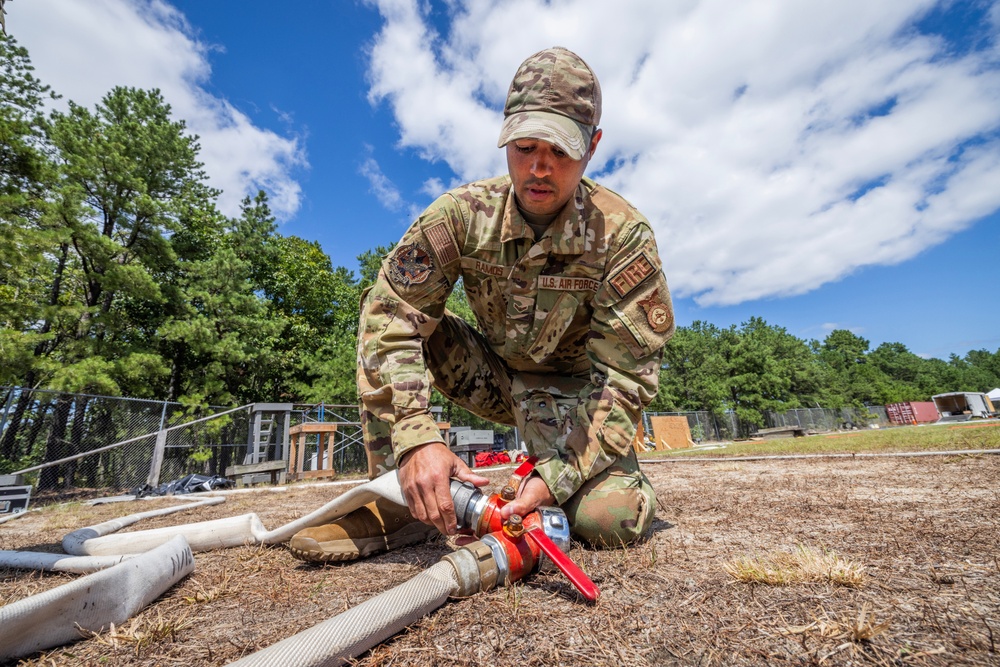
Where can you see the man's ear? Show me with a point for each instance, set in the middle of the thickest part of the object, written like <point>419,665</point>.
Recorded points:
<point>594,140</point>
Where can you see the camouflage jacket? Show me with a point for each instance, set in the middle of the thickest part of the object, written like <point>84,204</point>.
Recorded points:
<point>584,310</point>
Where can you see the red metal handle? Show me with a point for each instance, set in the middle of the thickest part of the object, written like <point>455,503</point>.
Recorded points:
<point>577,577</point>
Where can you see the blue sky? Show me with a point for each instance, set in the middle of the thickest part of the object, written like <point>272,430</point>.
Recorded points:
<point>821,165</point>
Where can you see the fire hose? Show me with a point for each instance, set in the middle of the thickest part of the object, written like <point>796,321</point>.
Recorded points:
<point>92,603</point>
<point>506,552</point>
<point>135,568</point>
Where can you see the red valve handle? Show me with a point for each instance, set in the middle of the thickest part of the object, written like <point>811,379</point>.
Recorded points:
<point>577,577</point>
<point>522,471</point>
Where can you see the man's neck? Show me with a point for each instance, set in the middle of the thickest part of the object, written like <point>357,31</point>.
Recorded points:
<point>538,223</point>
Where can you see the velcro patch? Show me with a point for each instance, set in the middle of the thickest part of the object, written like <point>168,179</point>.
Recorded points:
<point>441,243</point>
<point>479,266</point>
<point>632,274</point>
<point>658,314</point>
<point>568,283</point>
<point>410,265</point>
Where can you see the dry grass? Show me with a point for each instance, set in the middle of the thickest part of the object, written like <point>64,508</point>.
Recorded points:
<point>804,565</point>
<point>923,531</point>
<point>860,628</point>
<point>141,632</point>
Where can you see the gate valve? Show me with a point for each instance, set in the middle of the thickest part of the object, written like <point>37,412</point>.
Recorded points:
<point>519,543</point>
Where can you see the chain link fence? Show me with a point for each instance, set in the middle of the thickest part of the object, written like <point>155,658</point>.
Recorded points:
<point>823,419</point>
<point>83,441</point>
<point>349,453</point>
<point>39,426</point>
<point>710,427</point>
<point>704,426</point>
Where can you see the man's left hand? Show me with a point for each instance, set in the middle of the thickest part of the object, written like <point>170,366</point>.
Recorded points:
<point>534,494</point>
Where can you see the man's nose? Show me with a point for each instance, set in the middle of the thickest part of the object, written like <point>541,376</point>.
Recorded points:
<point>541,166</point>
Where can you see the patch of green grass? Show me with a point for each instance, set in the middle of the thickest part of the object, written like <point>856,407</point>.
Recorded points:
<point>939,437</point>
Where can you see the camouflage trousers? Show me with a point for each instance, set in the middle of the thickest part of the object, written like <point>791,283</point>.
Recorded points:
<point>613,507</point>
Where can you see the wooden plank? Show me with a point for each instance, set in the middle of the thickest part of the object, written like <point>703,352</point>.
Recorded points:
<point>639,441</point>
<point>313,474</point>
<point>241,471</point>
<point>313,427</point>
<point>249,468</point>
<point>671,432</point>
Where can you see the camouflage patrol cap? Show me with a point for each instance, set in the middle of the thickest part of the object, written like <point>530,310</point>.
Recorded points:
<point>554,97</point>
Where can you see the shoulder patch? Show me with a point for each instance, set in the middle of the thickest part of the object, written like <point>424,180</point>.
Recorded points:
<point>658,314</point>
<point>627,278</point>
<point>442,243</point>
<point>410,265</point>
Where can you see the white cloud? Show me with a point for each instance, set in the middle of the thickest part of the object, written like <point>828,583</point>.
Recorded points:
<point>384,189</point>
<point>154,47</point>
<point>775,145</point>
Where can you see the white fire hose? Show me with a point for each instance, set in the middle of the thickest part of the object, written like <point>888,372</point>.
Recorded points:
<point>100,540</point>
<point>113,595</point>
<point>92,603</point>
<point>133,569</point>
<point>351,633</point>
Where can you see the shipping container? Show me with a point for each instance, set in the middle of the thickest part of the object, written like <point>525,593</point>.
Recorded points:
<point>912,412</point>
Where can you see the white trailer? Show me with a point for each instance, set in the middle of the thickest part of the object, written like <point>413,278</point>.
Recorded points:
<point>963,406</point>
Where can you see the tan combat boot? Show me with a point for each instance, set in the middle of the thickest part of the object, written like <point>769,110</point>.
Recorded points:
<point>378,526</point>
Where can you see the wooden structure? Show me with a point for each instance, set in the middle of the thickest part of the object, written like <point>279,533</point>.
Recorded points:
<point>671,432</point>
<point>242,472</point>
<point>296,459</point>
<point>639,441</point>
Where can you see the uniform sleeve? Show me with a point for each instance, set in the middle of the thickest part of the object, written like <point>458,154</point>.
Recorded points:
<point>632,321</point>
<point>398,313</point>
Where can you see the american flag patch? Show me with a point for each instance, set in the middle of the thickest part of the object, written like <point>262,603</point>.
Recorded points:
<point>628,277</point>
<point>441,243</point>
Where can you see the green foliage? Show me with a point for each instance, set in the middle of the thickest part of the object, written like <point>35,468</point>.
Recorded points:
<point>370,263</point>
<point>119,275</point>
<point>199,454</point>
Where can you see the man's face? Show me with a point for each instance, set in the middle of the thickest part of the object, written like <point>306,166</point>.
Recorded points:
<point>544,177</point>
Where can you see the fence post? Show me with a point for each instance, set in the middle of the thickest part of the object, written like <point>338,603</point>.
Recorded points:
<point>157,463</point>
<point>163,416</point>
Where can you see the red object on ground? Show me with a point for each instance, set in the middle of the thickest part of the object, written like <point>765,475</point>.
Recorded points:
<point>912,412</point>
<point>484,459</point>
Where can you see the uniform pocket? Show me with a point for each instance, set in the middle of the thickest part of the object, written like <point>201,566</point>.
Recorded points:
<point>618,430</point>
<point>542,422</point>
<point>557,321</point>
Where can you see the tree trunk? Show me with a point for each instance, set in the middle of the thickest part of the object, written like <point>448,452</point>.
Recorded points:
<point>55,445</point>
<point>8,446</point>
<point>102,429</point>
<point>76,440</point>
<point>12,426</point>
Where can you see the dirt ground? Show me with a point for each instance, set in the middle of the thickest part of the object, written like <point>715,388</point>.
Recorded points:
<point>924,531</point>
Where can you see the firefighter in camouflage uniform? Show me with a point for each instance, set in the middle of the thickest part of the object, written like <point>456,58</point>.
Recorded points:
<point>573,311</point>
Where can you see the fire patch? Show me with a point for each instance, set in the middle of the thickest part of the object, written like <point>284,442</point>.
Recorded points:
<point>628,277</point>
<point>657,313</point>
<point>410,265</point>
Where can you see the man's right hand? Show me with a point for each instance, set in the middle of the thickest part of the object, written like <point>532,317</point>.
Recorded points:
<point>425,475</point>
